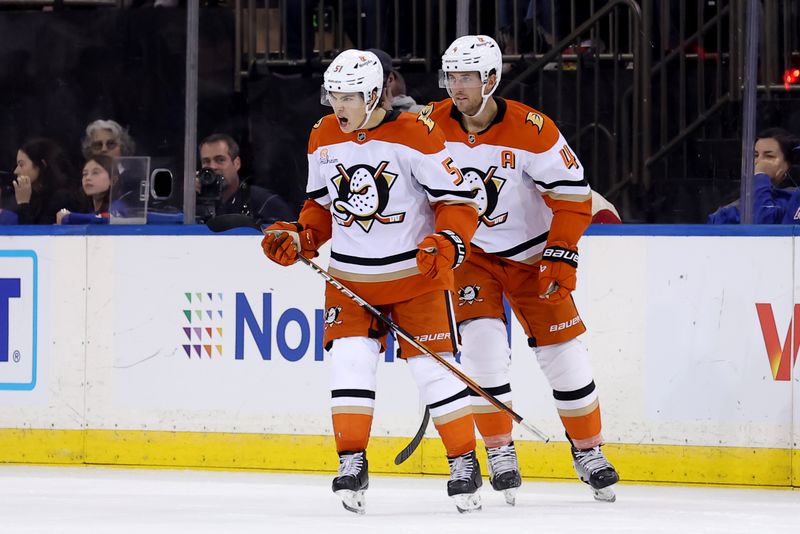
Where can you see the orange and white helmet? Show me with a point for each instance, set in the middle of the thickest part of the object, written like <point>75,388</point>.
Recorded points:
<point>355,71</point>
<point>472,53</point>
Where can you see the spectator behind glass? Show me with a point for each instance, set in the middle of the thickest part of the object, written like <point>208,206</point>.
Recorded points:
<point>220,153</point>
<point>395,97</point>
<point>775,197</point>
<point>41,188</point>
<point>107,137</point>
<point>98,178</point>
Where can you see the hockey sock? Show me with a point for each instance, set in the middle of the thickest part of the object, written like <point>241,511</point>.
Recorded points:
<point>566,366</point>
<point>354,363</point>
<point>448,401</point>
<point>486,358</point>
<point>351,431</point>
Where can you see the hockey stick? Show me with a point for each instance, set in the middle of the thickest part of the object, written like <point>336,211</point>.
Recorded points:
<point>227,222</point>
<point>409,449</point>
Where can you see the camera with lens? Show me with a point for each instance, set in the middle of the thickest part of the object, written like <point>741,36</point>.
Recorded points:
<point>211,184</point>
<point>210,195</point>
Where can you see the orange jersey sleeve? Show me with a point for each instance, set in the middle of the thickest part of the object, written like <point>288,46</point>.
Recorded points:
<point>317,219</point>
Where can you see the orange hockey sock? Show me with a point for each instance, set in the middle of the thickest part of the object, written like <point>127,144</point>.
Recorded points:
<point>495,427</point>
<point>351,431</point>
<point>584,430</point>
<point>458,435</point>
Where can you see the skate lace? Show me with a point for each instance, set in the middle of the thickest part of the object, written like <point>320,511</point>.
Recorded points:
<point>592,459</point>
<point>351,464</point>
<point>502,459</point>
<point>461,467</point>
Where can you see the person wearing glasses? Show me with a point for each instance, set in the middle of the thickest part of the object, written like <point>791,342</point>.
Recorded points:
<point>107,137</point>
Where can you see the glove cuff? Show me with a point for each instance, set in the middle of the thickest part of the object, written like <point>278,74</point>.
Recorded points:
<point>562,254</point>
<point>458,245</point>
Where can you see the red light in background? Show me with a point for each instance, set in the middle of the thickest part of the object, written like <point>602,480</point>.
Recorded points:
<point>790,77</point>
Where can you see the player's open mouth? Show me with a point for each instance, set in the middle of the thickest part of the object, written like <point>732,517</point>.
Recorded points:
<point>342,122</point>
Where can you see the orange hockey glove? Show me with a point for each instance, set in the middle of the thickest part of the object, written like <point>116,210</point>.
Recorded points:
<point>557,272</point>
<point>440,252</point>
<point>281,242</point>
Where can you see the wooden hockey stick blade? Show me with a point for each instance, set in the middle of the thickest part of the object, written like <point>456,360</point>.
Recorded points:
<point>404,455</point>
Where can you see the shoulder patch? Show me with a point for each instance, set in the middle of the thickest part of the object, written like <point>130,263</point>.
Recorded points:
<point>535,119</point>
<point>424,116</point>
<point>317,124</point>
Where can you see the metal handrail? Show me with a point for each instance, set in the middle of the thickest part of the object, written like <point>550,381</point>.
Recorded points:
<point>640,62</point>
<point>716,107</point>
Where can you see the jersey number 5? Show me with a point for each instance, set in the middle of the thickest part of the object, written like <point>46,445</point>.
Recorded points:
<point>448,165</point>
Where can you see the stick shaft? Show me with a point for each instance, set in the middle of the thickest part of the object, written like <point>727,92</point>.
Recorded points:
<point>400,331</point>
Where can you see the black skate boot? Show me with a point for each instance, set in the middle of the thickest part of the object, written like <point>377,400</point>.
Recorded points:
<point>465,480</point>
<point>593,468</point>
<point>504,471</point>
<point>352,480</point>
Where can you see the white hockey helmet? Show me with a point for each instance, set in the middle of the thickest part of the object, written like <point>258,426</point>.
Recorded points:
<point>472,53</point>
<point>355,71</point>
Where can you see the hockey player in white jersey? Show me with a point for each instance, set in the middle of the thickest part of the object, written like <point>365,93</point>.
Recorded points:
<point>534,204</point>
<point>381,187</point>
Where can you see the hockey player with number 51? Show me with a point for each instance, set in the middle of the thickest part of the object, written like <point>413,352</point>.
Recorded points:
<point>382,188</point>
<point>535,204</point>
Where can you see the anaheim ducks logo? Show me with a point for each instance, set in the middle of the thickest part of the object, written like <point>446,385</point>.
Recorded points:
<point>535,119</point>
<point>332,316</point>
<point>363,192</point>
<point>469,295</point>
<point>488,188</point>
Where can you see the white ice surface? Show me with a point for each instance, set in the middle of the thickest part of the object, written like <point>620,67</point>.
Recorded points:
<point>88,500</point>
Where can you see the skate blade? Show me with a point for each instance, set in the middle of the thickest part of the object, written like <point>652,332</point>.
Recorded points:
<point>468,502</point>
<point>510,495</point>
<point>604,494</point>
<point>353,501</point>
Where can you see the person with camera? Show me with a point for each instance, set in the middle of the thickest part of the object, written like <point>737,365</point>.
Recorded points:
<point>221,191</point>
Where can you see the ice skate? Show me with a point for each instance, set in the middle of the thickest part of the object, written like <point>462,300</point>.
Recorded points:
<point>593,468</point>
<point>465,480</point>
<point>504,471</point>
<point>352,481</point>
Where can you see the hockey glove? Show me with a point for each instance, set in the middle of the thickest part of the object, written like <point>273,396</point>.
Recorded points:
<point>281,242</point>
<point>439,253</point>
<point>557,272</point>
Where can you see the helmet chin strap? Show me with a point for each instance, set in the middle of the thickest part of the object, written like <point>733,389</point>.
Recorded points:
<point>369,111</point>
<point>485,99</point>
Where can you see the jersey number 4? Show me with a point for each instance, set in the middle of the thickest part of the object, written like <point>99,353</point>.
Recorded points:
<point>569,158</point>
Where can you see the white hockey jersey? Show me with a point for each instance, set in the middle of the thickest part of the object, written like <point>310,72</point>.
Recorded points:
<point>522,169</point>
<point>379,185</point>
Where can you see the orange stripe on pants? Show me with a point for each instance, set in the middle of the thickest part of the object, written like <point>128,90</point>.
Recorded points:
<point>351,431</point>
